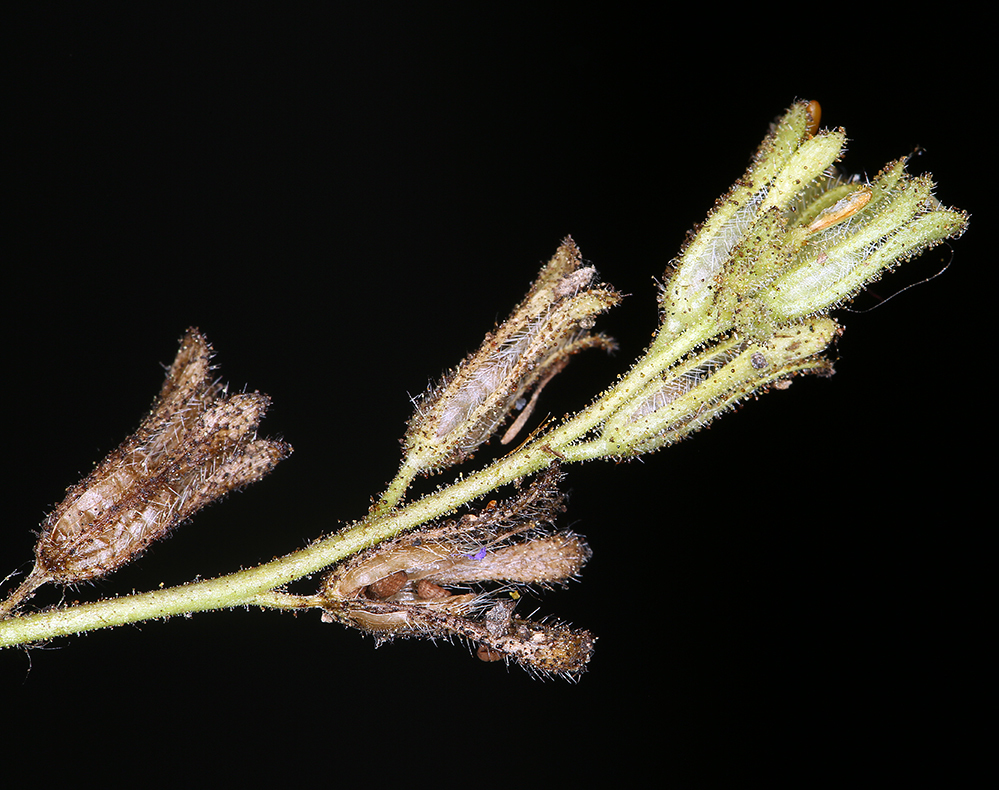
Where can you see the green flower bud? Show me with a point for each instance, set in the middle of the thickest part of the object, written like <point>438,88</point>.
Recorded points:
<point>692,393</point>
<point>793,239</point>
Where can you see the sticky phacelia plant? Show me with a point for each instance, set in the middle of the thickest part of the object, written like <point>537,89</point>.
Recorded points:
<point>745,307</point>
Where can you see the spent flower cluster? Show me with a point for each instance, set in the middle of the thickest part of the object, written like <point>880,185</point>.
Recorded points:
<point>745,307</point>
<point>407,586</point>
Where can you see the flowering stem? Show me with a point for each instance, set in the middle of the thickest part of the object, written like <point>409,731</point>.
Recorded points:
<point>744,306</point>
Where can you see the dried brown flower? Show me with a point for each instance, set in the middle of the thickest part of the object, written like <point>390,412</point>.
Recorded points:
<point>196,445</point>
<point>523,354</point>
<point>418,584</point>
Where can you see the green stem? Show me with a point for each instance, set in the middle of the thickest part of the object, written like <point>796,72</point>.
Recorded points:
<point>396,490</point>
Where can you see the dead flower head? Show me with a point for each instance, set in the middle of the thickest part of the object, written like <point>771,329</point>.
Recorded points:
<point>428,583</point>
<point>197,444</point>
<point>520,356</point>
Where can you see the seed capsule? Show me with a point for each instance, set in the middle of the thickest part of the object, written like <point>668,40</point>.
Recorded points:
<point>196,445</point>
<point>519,356</point>
<point>814,110</point>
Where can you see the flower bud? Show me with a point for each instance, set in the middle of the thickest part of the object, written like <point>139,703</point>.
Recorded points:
<point>792,239</point>
<point>788,154</point>
<point>850,243</point>
<point>692,393</point>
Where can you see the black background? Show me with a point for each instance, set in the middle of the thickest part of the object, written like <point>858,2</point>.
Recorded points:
<point>344,201</point>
